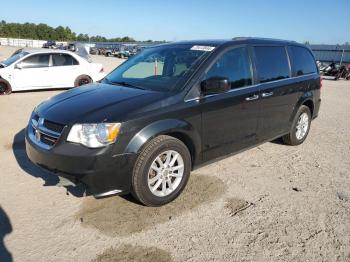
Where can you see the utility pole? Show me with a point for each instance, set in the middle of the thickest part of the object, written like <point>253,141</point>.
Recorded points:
<point>342,55</point>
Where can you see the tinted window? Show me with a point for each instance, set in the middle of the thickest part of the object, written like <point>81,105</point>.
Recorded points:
<point>303,61</point>
<point>235,66</point>
<point>272,63</point>
<point>63,60</point>
<point>36,61</point>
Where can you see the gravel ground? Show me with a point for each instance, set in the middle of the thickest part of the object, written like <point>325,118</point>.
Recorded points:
<point>270,203</point>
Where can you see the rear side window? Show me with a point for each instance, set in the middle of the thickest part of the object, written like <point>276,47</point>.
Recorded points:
<point>272,63</point>
<point>303,61</point>
<point>36,61</point>
<point>63,60</point>
<point>234,65</point>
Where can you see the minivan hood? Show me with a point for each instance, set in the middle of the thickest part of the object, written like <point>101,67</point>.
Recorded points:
<point>96,103</point>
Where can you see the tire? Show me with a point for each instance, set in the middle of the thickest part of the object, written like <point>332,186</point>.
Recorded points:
<point>294,138</point>
<point>82,80</point>
<point>161,146</point>
<point>5,87</point>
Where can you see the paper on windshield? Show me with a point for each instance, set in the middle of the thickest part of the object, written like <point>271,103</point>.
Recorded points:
<point>204,48</point>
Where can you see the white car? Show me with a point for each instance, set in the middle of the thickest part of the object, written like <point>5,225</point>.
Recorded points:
<point>30,69</point>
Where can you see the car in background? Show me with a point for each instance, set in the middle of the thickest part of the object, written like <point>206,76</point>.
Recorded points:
<point>31,69</point>
<point>71,47</point>
<point>49,44</point>
<point>110,51</point>
<point>117,52</point>
<point>93,51</point>
<point>123,54</point>
<point>60,46</point>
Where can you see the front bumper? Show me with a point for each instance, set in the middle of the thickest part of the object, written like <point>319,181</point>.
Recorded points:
<point>100,170</point>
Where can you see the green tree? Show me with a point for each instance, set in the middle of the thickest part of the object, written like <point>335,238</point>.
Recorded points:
<point>98,38</point>
<point>127,39</point>
<point>44,32</point>
<point>60,33</point>
<point>83,38</point>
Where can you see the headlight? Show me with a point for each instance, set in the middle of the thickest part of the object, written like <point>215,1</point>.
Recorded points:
<point>94,135</point>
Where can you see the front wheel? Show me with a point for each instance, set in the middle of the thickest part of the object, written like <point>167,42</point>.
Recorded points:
<point>161,171</point>
<point>300,127</point>
<point>5,87</point>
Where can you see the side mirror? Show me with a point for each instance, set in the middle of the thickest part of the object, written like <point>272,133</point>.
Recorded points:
<point>19,65</point>
<point>215,85</point>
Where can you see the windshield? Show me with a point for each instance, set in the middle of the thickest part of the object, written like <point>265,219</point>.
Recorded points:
<point>14,58</point>
<point>161,68</point>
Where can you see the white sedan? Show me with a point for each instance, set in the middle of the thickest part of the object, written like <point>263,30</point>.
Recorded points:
<point>30,69</point>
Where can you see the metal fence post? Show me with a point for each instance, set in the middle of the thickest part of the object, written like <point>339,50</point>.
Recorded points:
<point>342,55</point>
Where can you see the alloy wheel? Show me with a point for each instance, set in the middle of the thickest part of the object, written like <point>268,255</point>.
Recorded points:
<point>165,173</point>
<point>302,126</point>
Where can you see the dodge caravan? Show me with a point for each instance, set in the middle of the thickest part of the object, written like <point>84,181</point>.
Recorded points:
<point>171,108</point>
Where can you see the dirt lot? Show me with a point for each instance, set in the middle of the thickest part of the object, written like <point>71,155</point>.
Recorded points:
<point>270,203</point>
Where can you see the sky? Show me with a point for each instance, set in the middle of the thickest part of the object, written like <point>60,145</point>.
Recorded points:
<point>316,21</point>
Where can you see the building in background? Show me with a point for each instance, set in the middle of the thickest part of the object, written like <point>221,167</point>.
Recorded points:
<point>332,53</point>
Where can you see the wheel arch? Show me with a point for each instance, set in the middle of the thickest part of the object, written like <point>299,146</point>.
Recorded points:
<point>176,128</point>
<point>307,100</point>
<point>310,104</point>
<point>7,83</point>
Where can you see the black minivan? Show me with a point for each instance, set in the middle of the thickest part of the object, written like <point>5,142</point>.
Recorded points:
<point>173,107</point>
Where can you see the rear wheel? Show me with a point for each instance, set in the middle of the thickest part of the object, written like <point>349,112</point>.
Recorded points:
<point>5,87</point>
<point>82,80</point>
<point>161,171</point>
<point>300,127</point>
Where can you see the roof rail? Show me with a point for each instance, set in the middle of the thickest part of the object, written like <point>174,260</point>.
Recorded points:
<point>241,38</point>
<point>259,38</point>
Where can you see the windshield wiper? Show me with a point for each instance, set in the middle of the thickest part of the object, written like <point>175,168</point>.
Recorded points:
<point>122,83</point>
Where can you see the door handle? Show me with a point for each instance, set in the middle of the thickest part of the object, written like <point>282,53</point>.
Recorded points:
<point>251,98</point>
<point>267,94</point>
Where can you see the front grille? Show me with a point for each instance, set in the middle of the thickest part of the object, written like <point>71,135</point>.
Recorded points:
<point>44,132</point>
<point>53,126</point>
<point>48,140</point>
